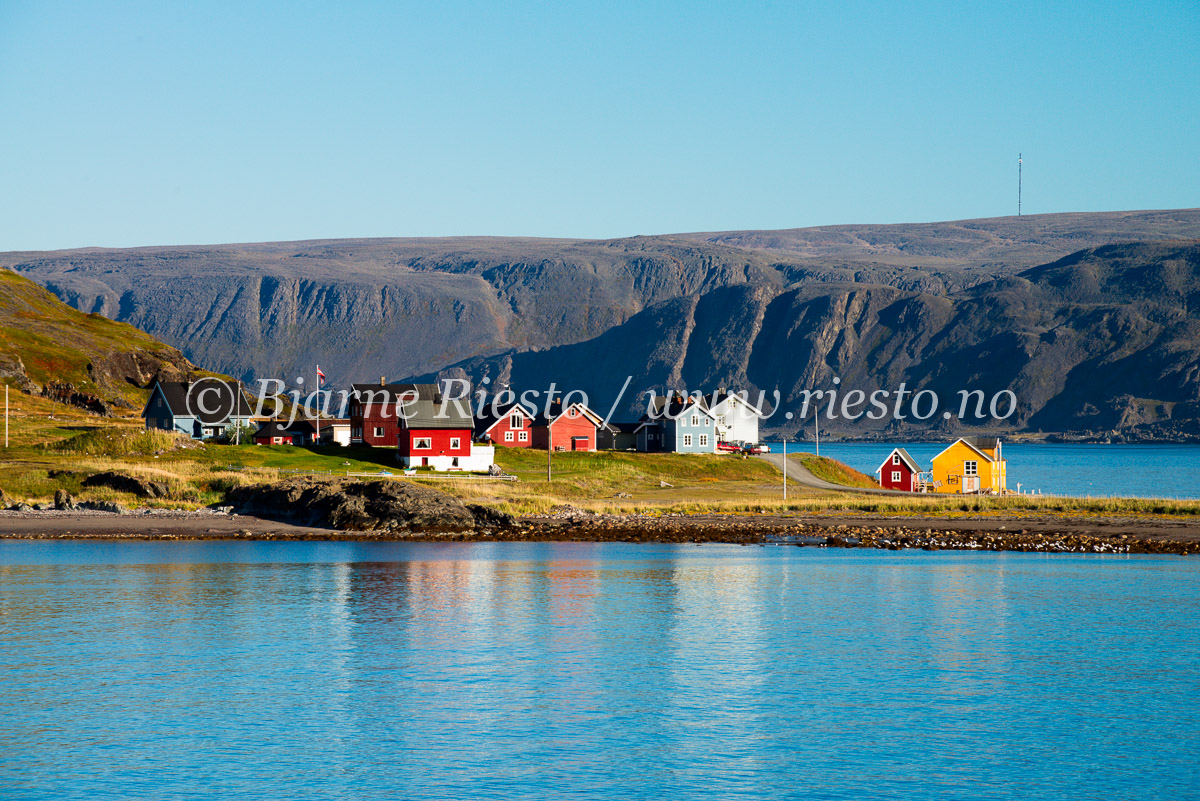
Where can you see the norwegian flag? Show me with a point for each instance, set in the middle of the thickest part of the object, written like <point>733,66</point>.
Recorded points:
<point>320,377</point>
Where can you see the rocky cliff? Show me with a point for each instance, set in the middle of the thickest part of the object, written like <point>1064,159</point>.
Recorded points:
<point>935,303</point>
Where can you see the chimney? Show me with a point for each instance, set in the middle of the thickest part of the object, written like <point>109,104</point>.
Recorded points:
<point>383,381</point>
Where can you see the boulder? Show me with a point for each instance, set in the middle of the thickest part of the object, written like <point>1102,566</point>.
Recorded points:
<point>103,506</point>
<point>384,506</point>
<point>123,483</point>
<point>63,500</point>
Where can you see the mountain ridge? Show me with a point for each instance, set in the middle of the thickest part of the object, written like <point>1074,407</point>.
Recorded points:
<point>415,307</point>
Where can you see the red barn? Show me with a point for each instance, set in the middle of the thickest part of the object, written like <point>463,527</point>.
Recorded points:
<point>899,471</point>
<point>569,429</point>
<point>510,426</point>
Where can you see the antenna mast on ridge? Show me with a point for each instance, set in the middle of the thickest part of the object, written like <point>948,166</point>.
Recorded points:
<point>1018,184</point>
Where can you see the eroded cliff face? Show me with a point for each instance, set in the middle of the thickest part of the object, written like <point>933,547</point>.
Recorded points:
<point>1101,339</point>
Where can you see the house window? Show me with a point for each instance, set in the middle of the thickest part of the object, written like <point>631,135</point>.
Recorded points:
<point>896,477</point>
<point>455,443</point>
<point>422,443</point>
<point>516,421</point>
<point>695,420</point>
<point>508,436</point>
<point>356,433</point>
<point>378,431</point>
<point>454,461</point>
<point>971,468</point>
<point>687,440</point>
<point>895,458</point>
<point>573,413</point>
<point>704,440</point>
<point>524,436</point>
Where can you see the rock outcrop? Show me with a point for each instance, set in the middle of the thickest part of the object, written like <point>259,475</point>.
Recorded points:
<point>384,506</point>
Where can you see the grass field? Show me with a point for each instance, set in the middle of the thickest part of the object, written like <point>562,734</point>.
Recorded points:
<point>54,446</point>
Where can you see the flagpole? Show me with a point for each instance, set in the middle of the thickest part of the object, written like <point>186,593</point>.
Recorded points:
<point>319,404</point>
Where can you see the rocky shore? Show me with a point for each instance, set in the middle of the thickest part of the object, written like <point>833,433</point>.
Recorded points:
<point>1100,536</point>
<point>308,509</point>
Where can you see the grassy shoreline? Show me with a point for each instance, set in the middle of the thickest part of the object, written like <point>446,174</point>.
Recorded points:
<point>56,447</point>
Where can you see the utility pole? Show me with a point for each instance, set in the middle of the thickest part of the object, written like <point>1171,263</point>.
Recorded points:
<point>549,450</point>
<point>1019,160</point>
<point>319,404</point>
<point>237,407</point>
<point>817,423</point>
<point>785,467</point>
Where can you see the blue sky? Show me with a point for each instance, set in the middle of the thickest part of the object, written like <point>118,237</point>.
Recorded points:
<point>131,123</point>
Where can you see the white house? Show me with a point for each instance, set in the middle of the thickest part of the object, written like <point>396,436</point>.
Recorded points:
<point>737,418</point>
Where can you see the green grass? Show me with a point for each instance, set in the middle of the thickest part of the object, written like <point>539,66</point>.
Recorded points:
<point>55,446</point>
<point>834,471</point>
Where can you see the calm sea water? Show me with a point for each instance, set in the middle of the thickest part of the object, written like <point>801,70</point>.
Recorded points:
<point>332,670</point>
<point>1141,471</point>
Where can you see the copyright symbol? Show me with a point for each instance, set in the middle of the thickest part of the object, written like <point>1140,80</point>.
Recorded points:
<point>211,400</point>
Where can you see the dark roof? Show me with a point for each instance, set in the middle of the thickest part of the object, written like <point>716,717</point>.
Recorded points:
<point>625,427</point>
<point>212,400</point>
<point>390,393</point>
<point>983,443</point>
<point>671,406</point>
<point>489,416</point>
<point>280,428</point>
<point>421,405</point>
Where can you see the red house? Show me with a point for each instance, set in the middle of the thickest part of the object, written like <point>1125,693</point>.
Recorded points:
<point>510,426</point>
<point>433,431</point>
<point>569,429</point>
<point>375,411</point>
<point>899,471</point>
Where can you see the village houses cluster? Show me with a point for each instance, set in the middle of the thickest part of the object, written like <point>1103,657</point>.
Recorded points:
<point>430,430</point>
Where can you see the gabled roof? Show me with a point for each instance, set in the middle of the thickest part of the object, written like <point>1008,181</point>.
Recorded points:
<point>970,443</point>
<point>210,400</point>
<point>722,396</point>
<point>490,415</point>
<point>557,412</point>
<point>904,457</point>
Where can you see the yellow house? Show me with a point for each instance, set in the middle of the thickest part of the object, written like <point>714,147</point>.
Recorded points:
<point>971,464</point>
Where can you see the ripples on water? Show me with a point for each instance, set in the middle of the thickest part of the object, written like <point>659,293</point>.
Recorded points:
<point>296,670</point>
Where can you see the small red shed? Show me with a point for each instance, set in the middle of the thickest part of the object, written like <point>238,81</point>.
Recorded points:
<point>899,471</point>
<point>569,429</point>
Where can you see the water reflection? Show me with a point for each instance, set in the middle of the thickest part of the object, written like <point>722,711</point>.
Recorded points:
<point>499,670</point>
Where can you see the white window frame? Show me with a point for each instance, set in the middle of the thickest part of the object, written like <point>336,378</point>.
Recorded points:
<point>378,431</point>
<point>523,436</point>
<point>517,420</point>
<point>508,436</point>
<point>704,440</point>
<point>897,476</point>
<point>895,458</point>
<point>971,467</point>
<point>695,420</point>
<point>687,440</point>
<point>422,443</point>
<point>455,443</point>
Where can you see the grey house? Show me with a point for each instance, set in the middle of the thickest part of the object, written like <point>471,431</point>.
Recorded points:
<point>202,409</point>
<point>677,424</point>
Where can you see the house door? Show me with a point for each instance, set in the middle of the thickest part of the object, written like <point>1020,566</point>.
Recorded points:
<point>579,443</point>
<point>970,484</point>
